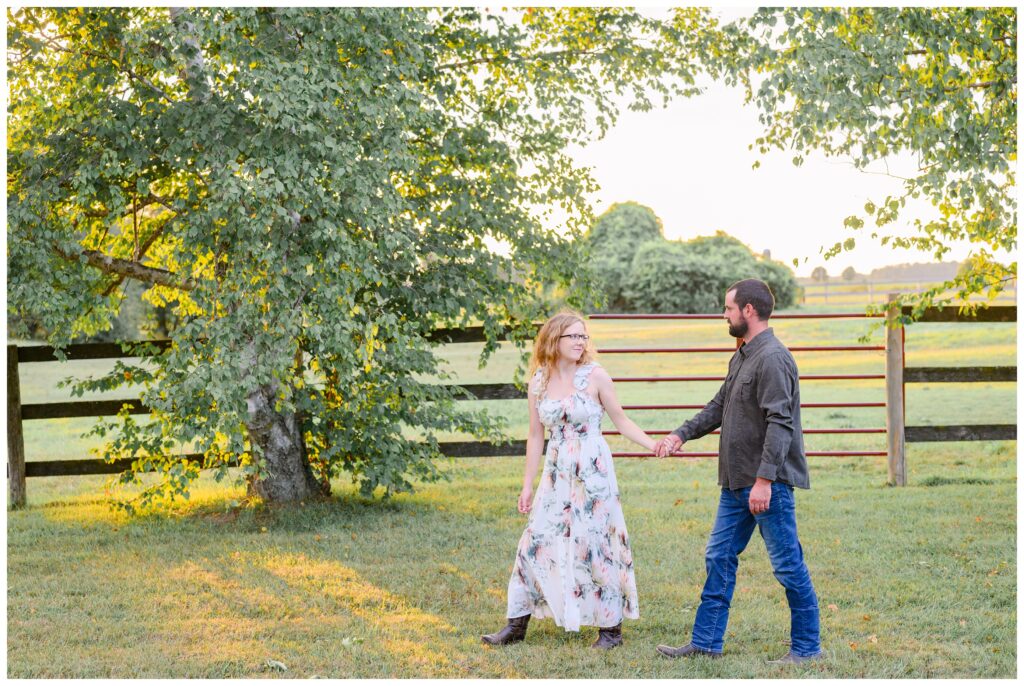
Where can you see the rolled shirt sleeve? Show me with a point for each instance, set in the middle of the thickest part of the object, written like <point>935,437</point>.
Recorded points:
<point>776,386</point>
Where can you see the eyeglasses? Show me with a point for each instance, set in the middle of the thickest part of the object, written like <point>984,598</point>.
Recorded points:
<point>576,336</point>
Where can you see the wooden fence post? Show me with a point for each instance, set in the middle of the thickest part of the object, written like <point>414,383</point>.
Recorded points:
<point>895,422</point>
<point>15,439</point>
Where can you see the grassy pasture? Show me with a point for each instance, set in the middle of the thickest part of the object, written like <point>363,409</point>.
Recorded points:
<point>913,582</point>
<point>838,293</point>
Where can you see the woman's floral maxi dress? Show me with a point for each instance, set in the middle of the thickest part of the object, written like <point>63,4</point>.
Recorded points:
<point>574,562</point>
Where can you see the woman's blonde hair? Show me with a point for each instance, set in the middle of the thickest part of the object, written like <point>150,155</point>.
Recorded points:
<point>545,346</point>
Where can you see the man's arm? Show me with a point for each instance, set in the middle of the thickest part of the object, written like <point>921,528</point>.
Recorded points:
<point>776,387</point>
<point>705,421</point>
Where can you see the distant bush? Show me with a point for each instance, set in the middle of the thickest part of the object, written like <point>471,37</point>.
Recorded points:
<point>668,277</point>
<point>613,241</point>
<point>781,280</point>
<point>692,276</point>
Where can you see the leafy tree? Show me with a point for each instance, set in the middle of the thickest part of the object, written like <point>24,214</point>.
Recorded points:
<point>667,277</point>
<point>613,240</point>
<point>313,192</point>
<point>820,274</point>
<point>721,246</point>
<point>24,327</point>
<point>780,279</point>
<point>135,318</point>
<point>868,83</point>
<point>742,263</point>
<point>849,274</point>
<point>692,276</point>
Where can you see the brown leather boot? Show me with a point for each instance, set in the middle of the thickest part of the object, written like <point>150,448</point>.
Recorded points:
<point>608,637</point>
<point>513,632</point>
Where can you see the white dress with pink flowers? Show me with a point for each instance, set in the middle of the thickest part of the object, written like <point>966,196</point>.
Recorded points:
<point>574,562</point>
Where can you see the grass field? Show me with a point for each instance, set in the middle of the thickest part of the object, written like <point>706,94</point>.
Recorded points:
<point>913,582</point>
<point>839,293</point>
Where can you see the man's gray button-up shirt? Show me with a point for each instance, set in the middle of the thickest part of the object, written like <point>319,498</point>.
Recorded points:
<point>758,408</point>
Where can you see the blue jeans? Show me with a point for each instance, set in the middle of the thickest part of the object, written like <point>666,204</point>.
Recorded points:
<point>734,524</point>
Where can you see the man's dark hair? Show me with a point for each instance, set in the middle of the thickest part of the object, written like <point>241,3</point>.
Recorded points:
<point>754,292</point>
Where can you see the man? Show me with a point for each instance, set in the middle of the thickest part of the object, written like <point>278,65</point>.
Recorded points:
<point>760,460</point>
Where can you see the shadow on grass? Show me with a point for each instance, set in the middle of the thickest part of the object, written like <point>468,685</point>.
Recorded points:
<point>337,587</point>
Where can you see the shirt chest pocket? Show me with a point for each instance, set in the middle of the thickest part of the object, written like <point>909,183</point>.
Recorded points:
<point>745,387</point>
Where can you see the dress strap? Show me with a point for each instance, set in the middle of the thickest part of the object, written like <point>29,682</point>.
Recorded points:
<point>582,377</point>
<point>537,384</point>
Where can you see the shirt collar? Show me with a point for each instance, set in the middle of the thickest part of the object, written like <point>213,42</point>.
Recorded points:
<point>757,342</point>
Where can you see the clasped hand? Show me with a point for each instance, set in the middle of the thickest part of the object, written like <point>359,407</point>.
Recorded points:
<point>668,445</point>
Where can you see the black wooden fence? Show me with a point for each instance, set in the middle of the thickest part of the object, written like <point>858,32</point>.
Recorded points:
<point>896,376</point>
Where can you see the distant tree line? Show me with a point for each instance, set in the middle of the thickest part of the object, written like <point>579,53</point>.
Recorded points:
<point>918,271</point>
<point>639,270</point>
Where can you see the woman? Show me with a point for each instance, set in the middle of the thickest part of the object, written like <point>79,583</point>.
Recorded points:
<point>574,562</point>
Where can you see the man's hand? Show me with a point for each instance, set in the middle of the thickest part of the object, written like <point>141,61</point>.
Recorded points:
<point>760,496</point>
<point>668,445</point>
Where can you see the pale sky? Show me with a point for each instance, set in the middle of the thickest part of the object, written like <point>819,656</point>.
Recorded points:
<point>690,164</point>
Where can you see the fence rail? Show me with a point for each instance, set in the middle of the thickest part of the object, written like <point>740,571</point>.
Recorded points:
<point>958,374</point>
<point>508,391</point>
<point>973,432</point>
<point>896,376</point>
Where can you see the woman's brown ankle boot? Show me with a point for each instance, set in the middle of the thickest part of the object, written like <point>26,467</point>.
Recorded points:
<point>513,632</point>
<point>608,637</point>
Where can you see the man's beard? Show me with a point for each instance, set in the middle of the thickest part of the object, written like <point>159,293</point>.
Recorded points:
<point>739,330</point>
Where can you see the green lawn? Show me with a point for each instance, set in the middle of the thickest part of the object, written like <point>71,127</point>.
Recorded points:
<point>913,582</point>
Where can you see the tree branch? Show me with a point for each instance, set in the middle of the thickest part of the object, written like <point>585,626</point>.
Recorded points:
<point>142,204</point>
<point>146,245</point>
<point>983,84</point>
<point>127,268</point>
<point>147,83</point>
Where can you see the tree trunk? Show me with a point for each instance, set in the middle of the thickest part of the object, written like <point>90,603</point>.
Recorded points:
<point>279,437</point>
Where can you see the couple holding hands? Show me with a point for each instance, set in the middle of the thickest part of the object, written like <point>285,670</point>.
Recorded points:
<point>574,562</point>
